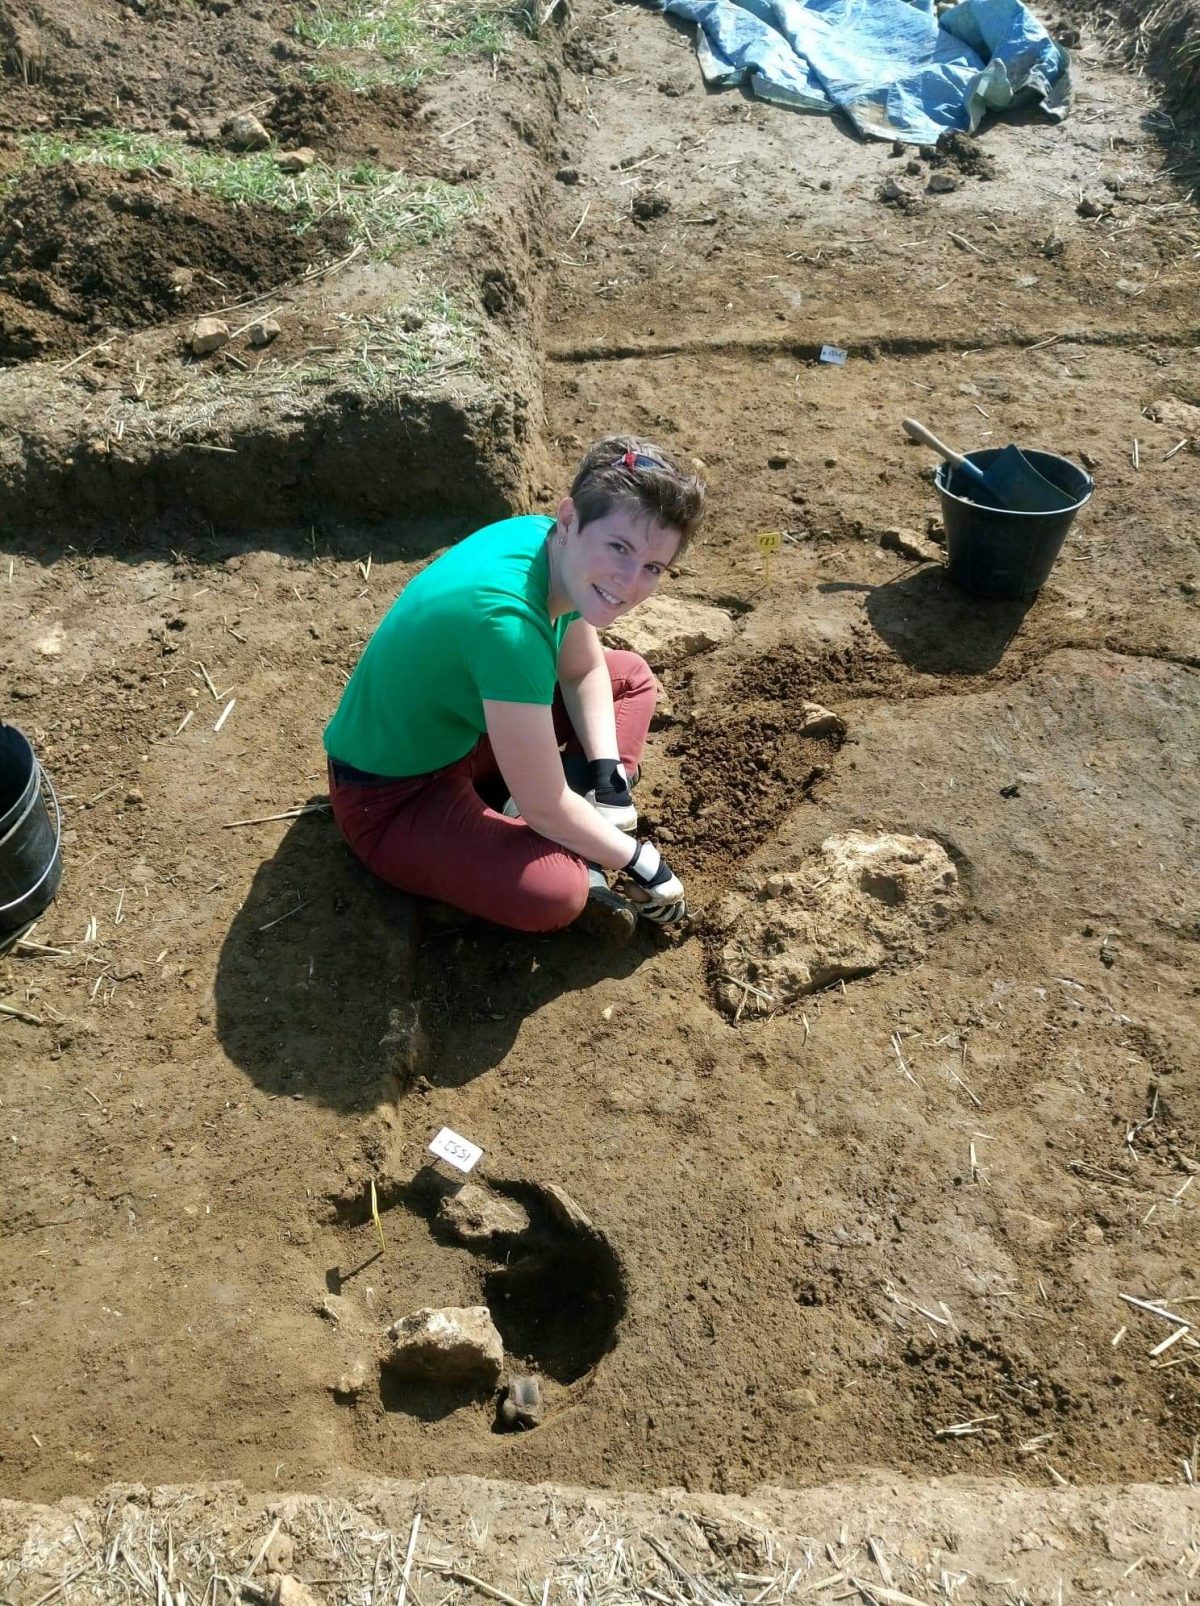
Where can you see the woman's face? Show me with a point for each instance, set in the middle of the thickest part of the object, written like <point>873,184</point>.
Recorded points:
<point>613,563</point>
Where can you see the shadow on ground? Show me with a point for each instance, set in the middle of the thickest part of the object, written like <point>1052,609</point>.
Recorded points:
<point>333,987</point>
<point>317,962</point>
<point>938,629</point>
<point>480,984</point>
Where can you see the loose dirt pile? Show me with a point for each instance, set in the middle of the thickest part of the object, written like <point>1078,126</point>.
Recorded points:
<point>84,252</point>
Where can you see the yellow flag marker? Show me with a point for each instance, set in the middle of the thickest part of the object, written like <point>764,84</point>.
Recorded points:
<point>375,1216</point>
<point>769,541</point>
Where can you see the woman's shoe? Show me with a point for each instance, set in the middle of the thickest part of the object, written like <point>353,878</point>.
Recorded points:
<point>607,916</point>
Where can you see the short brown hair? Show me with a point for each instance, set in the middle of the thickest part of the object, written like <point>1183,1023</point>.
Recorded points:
<point>623,470</point>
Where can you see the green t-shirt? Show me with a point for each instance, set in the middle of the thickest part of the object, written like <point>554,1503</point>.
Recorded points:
<point>473,625</point>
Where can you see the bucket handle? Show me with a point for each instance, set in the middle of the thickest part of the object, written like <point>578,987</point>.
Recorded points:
<point>49,784</point>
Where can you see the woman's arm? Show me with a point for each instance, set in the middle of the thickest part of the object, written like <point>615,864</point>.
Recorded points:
<point>587,690</point>
<point>522,738</point>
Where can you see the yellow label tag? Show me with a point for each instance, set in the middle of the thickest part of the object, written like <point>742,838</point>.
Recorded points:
<point>375,1216</point>
<point>769,541</point>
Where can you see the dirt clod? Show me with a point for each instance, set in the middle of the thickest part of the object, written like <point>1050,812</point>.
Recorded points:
<point>647,206</point>
<point>263,330</point>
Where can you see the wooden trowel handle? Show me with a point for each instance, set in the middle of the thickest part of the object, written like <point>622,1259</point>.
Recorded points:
<point>926,437</point>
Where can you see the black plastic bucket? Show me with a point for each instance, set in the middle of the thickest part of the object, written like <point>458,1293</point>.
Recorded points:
<point>30,841</point>
<point>997,553</point>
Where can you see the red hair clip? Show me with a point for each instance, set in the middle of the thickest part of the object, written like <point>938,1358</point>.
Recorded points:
<point>632,461</point>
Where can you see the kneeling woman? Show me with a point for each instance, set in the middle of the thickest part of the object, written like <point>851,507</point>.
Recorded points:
<point>487,677</point>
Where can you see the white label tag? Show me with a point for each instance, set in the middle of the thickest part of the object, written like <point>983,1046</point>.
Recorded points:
<point>834,354</point>
<point>455,1150</point>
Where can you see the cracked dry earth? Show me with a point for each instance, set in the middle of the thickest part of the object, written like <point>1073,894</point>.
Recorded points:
<point>906,1204</point>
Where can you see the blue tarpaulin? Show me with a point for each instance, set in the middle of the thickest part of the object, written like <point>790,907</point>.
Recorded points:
<point>896,69</point>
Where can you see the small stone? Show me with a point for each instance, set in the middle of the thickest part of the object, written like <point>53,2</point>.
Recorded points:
<point>208,334</point>
<point>243,132</point>
<point>297,161</point>
<point>1093,1233</point>
<point>475,1215</point>
<point>818,721</point>
<point>779,459</point>
<point>893,193</point>
<point>134,798</point>
<point>1090,207</point>
<point>284,1589</point>
<point>280,1554</point>
<point>522,1405</point>
<point>914,167</point>
<point>263,330</point>
<point>183,119</point>
<point>181,280</point>
<point>350,1384</point>
<point>1178,415</point>
<point>567,175</point>
<point>411,320</point>
<point>1089,462</point>
<point>910,544</point>
<point>455,1345</point>
<point>898,147</point>
<point>941,183</point>
<point>825,184</point>
<point>565,1211</point>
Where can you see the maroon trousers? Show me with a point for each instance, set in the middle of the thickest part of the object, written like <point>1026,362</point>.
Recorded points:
<point>434,835</point>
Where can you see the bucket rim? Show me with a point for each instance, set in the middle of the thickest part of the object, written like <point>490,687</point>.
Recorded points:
<point>944,470</point>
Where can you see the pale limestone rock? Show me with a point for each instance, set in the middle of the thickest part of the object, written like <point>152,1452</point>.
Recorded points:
<point>666,630</point>
<point>818,721</point>
<point>208,334</point>
<point>242,132</point>
<point>295,161</point>
<point>455,1345</point>
<point>858,902</point>
<point>475,1215</point>
<point>283,1589</point>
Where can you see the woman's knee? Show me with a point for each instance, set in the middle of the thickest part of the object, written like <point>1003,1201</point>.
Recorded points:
<point>630,674</point>
<point>550,900</point>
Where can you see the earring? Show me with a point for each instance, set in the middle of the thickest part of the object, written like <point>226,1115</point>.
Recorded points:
<point>562,541</point>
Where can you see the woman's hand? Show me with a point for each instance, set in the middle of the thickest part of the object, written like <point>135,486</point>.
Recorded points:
<point>523,740</point>
<point>659,891</point>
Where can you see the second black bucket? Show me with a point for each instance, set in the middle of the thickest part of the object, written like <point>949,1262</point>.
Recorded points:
<point>30,841</point>
<point>997,553</point>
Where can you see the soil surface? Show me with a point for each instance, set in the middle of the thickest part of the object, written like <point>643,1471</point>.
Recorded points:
<point>896,1224</point>
<point>459,1539</point>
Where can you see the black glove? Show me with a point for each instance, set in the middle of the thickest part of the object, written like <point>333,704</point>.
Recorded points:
<point>649,871</point>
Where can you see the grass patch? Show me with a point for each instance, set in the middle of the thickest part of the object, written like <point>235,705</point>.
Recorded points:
<point>386,211</point>
<point>415,37</point>
<point>425,339</point>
